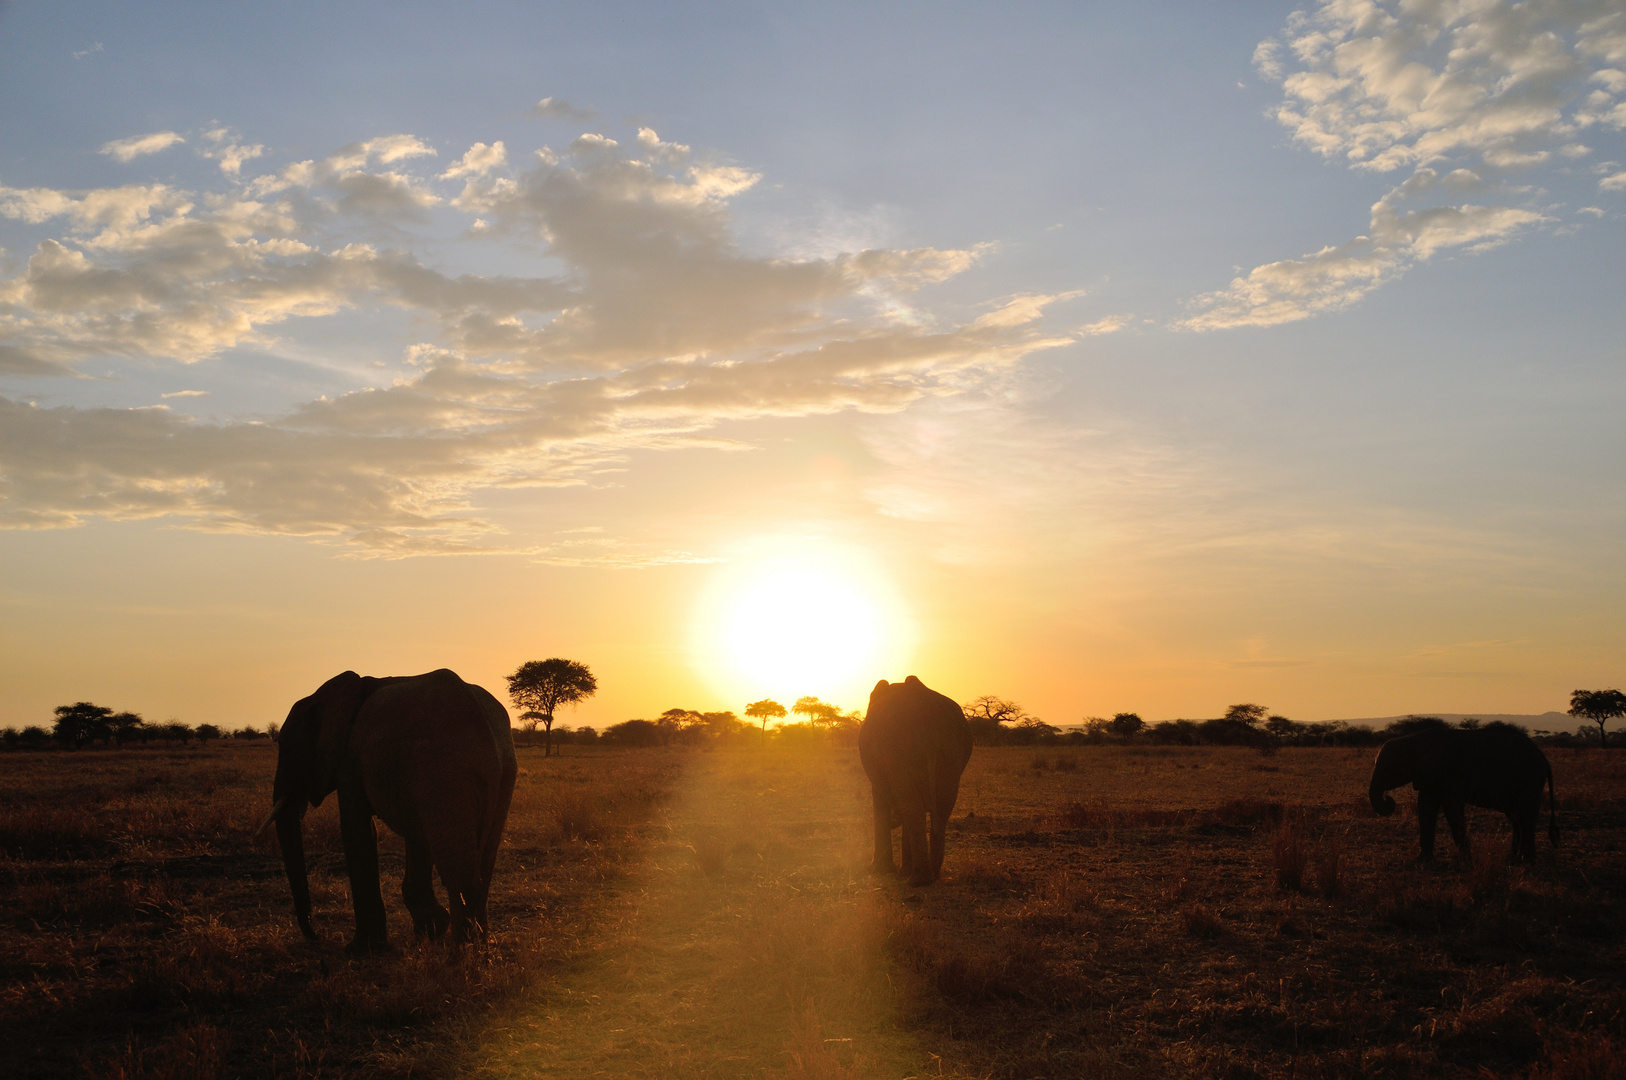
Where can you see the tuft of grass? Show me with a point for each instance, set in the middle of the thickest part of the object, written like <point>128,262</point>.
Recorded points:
<point>1288,855</point>
<point>577,818</point>
<point>1328,866</point>
<point>1201,921</point>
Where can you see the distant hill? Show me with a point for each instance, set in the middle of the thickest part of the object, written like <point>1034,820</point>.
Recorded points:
<point>1547,721</point>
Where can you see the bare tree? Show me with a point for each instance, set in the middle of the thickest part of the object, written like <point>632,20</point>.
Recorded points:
<point>540,687</point>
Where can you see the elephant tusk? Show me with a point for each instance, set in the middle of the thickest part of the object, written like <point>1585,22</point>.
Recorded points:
<point>275,810</point>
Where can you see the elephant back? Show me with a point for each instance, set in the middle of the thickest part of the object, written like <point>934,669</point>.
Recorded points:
<point>912,716</point>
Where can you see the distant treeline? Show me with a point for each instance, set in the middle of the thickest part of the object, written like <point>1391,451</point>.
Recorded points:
<point>83,724</point>
<point>1230,731</point>
<point>687,727</point>
<point>994,722</point>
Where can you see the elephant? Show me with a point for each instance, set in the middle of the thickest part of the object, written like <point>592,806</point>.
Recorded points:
<point>914,743</point>
<point>431,755</point>
<point>1496,767</point>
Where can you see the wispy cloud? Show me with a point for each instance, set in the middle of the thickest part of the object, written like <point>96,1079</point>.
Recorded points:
<point>141,145</point>
<point>554,108</point>
<point>1493,88</point>
<point>658,328</point>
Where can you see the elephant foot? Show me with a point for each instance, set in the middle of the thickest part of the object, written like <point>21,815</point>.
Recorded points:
<point>432,925</point>
<point>883,869</point>
<point>921,878</point>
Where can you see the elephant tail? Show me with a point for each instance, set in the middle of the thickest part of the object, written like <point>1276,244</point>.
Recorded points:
<point>1552,807</point>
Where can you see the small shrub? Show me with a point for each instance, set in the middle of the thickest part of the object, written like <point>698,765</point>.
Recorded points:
<point>1066,763</point>
<point>1288,854</point>
<point>1039,763</point>
<point>1328,865</point>
<point>577,819</point>
<point>1200,921</point>
<point>1179,889</point>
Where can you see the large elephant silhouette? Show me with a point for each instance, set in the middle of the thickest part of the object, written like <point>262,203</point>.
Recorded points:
<point>433,757</point>
<point>914,744</point>
<point>1496,767</point>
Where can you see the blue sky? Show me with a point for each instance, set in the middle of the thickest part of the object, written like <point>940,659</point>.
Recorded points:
<point>1155,359</point>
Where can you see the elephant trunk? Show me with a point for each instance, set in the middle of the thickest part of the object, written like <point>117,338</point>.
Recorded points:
<point>1380,797</point>
<point>291,837</point>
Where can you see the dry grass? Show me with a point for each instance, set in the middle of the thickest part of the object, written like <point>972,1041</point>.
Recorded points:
<point>1253,918</point>
<point>147,934</point>
<point>1174,912</point>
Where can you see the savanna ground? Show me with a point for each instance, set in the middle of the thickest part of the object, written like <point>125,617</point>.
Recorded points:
<point>1105,911</point>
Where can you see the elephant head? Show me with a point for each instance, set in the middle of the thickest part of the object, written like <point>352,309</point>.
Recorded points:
<point>1391,770</point>
<point>310,752</point>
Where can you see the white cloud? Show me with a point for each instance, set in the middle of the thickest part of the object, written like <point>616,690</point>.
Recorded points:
<point>126,150</point>
<point>1500,87</point>
<point>479,160</point>
<point>225,149</point>
<point>1336,277</point>
<point>554,108</point>
<point>656,329</point>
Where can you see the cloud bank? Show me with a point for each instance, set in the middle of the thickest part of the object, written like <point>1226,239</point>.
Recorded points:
<point>1470,95</point>
<point>657,328</point>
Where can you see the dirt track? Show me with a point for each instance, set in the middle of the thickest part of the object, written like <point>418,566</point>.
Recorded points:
<point>748,946</point>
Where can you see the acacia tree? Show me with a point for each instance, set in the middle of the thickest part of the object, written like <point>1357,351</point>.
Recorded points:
<point>815,710</point>
<point>1598,706</point>
<point>765,710</point>
<point>81,722</point>
<point>1126,725</point>
<point>540,687</point>
<point>125,726</point>
<point>1252,715</point>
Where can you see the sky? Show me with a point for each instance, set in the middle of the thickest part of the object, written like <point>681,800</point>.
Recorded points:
<point>1105,358</point>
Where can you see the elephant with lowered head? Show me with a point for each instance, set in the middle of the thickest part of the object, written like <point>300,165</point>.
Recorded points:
<point>1497,767</point>
<point>914,744</point>
<point>433,757</point>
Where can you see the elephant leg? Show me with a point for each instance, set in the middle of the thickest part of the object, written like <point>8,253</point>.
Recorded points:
<point>1459,827</point>
<point>948,790</point>
<point>1428,813</point>
<point>916,859</point>
<point>1523,819</point>
<point>882,861</point>
<point>456,854</point>
<point>361,860</point>
<point>429,919</point>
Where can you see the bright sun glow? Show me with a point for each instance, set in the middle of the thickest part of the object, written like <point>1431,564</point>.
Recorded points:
<point>827,625</point>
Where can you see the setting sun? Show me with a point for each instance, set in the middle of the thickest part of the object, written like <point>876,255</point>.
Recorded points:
<point>824,624</point>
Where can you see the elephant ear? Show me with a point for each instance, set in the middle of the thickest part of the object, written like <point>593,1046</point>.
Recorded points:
<point>334,709</point>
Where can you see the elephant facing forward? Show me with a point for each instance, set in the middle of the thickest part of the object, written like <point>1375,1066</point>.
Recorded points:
<point>1496,767</point>
<point>433,757</point>
<point>914,744</point>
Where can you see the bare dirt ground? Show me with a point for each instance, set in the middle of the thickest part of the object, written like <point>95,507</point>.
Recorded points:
<point>750,944</point>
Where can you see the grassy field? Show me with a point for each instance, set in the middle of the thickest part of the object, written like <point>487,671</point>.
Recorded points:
<point>147,934</point>
<point>1218,913</point>
<point>1109,911</point>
